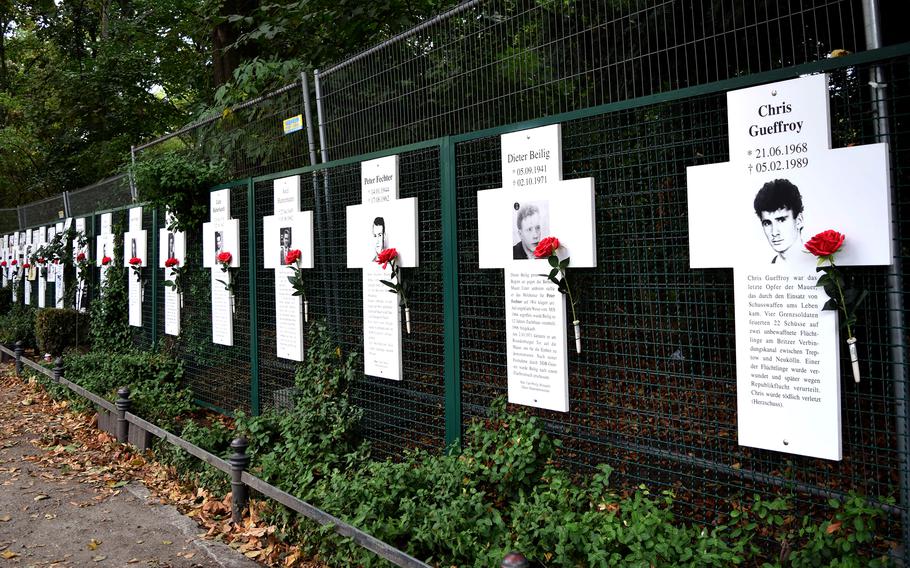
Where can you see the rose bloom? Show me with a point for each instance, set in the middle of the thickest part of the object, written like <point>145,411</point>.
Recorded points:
<point>80,257</point>
<point>135,261</point>
<point>15,262</point>
<point>292,256</point>
<point>171,262</point>
<point>26,265</point>
<point>825,243</point>
<point>225,257</point>
<point>546,247</point>
<point>386,256</point>
<point>3,264</point>
<point>105,261</point>
<point>41,261</point>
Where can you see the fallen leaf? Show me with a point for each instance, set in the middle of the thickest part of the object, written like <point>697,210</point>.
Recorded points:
<point>41,497</point>
<point>132,561</point>
<point>5,519</point>
<point>167,542</point>
<point>98,558</point>
<point>833,527</point>
<point>93,544</point>
<point>8,554</point>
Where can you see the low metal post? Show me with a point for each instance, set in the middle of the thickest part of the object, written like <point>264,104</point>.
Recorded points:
<point>19,350</point>
<point>123,404</point>
<point>239,495</point>
<point>58,370</point>
<point>514,560</point>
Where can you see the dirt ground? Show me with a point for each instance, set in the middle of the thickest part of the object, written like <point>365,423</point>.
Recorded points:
<point>72,496</point>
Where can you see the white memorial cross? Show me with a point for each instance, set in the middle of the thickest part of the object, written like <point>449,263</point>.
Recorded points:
<point>5,259</point>
<point>57,267</point>
<point>80,301</point>
<point>380,222</point>
<point>782,185</point>
<point>32,272</point>
<point>134,246</point>
<point>171,244</point>
<point>19,271</point>
<point>104,248</point>
<point>42,267</point>
<point>221,234</point>
<point>533,203</point>
<point>288,229</point>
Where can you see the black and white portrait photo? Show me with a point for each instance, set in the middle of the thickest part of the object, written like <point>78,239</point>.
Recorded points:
<point>530,223</point>
<point>133,248</point>
<point>779,208</point>
<point>379,233</point>
<point>170,246</point>
<point>219,241</point>
<point>284,235</point>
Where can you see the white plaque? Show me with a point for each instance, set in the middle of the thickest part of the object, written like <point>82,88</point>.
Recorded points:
<point>221,234</point>
<point>171,244</point>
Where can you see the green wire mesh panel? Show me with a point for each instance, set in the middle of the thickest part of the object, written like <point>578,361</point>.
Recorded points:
<point>218,375</point>
<point>42,212</point>
<point>9,221</point>
<point>397,415</point>
<point>653,394</point>
<point>500,62</point>
<point>248,138</point>
<point>110,193</point>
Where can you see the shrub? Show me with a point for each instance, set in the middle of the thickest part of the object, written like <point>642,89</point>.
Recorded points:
<point>110,313</point>
<point>214,437</point>
<point>18,325</point>
<point>6,299</point>
<point>59,329</point>
<point>154,381</point>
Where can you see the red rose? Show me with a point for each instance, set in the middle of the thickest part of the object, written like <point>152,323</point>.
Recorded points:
<point>171,262</point>
<point>15,262</point>
<point>105,261</point>
<point>135,261</point>
<point>224,257</point>
<point>41,261</point>
<point>80,257</point>
<point>825,243</point>
<point>292,256</point>
<point>3,264</point>
<point>386,256</point>
<point>546,247</point>
<point>26,265</point>
<point>56,261</point>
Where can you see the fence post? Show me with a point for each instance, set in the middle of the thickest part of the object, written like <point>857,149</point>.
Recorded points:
<point>58,370</point>
<point>514,560</point>
<point>123,404</point>
<point>239,462</point>
<point>19,350</point>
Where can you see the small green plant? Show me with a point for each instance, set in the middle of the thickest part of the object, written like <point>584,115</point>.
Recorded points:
<point>109,313</point>
<point>57,330</point>
<point>214,437</point>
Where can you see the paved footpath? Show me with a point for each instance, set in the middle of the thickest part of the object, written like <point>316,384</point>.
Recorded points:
<point>59,512</point>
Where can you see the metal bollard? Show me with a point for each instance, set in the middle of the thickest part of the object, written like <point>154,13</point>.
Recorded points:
<point>123,404</point>
<point>58,370</point>
<point>514,560</point>
<point>19,350</point>
<point>239,495</point>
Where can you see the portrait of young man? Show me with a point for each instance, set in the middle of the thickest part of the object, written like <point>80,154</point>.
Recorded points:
<point>133,248</point>
<point>219,241</point>
<point>170,245</point>
<point>529,223</point>
<point>779,207</point>
<point>285,238</point>
<point>379,243</point>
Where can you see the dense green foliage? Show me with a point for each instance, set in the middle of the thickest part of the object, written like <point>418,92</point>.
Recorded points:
<point>18,324</point>
<point>6,299</point>
<point>110,312</point>
<point>179,181</point>
<point>57,330</point>
<point>154,380</point>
